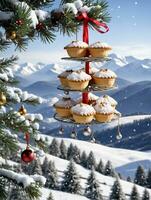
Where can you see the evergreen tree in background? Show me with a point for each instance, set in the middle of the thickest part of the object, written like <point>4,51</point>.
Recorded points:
<point>71,180</point>
<point>36,169</point>
<point>146,195</point>
<point>129,179</point>
<point>109,171</point>
<point>91,162</point>
<point>100,167</point>
<point>52,176</point>
<point>92,190</point>
<point>54,148</point>
<point>70,152</point>
<point>76,155</point>
<point>117,193</point>
<point>84,159</point>
<point>134,194</point>
<point>140,176</point>
<point>16,193</point>
<point>148,180</point>
<point>45,167</point>
<point>63,150</point>
<point>50,197</point>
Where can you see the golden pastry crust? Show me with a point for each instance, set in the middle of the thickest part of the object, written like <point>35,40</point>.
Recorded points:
<point>101,117</point>
<point>104,82</point>
<point>83,119</point>
<point>76,52</point>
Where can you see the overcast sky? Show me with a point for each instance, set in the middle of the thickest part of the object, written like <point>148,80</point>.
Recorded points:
<point>130,34</point>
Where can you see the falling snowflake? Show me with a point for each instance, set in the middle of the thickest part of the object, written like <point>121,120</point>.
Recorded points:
<point>136,3</point>
<point>119,7</point>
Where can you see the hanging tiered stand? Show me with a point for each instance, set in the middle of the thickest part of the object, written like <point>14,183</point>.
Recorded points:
<point>92,87</point>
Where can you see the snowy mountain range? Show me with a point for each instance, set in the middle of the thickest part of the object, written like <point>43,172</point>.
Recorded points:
<point>129,68</point>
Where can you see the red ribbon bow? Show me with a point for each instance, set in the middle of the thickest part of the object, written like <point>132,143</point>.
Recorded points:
<point>83,16</point>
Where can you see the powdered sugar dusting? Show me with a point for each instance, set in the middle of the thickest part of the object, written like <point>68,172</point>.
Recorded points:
<point>65,73</point>
<point>77,43</point>
<point>99,45</point>
<point>105,73</point>
<point>65,103</point>
<point>83,109</point>
<point>104,108</point>
<point>79,76</point>
<point>106,99</point>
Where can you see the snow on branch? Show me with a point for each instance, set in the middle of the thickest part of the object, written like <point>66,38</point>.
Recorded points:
<point>22,96</point>
<point>35,15</point>
<point>22,179</point>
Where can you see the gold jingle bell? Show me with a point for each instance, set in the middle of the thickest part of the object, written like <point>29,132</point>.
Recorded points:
<point>22,110</point>
<point>2,99</point>
<point>11,35</point>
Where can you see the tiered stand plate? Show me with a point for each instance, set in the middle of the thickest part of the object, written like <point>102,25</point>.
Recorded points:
<point>71,121</point>
<point>89,89</point>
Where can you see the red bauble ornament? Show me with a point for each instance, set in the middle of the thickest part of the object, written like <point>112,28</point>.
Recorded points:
<point>19,22</point>
<point>27,155</point>
<point>39,26</point>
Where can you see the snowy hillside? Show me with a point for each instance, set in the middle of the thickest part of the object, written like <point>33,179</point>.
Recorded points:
<point>125,161</point>
<point>119,157</point>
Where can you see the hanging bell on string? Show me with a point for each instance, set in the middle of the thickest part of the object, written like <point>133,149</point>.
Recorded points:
<point>119,135</point>
<point>22,110</point>
<point>73,134</point>
<point>87,131</point>
<point>2,99</point>
<point>93,140</point>
<point>61,130</point>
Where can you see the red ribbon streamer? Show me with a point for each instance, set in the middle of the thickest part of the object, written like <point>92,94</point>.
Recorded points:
<point>83,16</point>
<point>27,136</point>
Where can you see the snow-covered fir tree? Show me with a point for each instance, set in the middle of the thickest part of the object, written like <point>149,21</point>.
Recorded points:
<point>71,180</point>
<point>63,150</point>
<point>54,148</point>
<point>51,176</point>
<point>140,176</point>
<point>76,154</point>
<point>36,167</point>
<point>135,194</point>
<point>50,197</point>
<point>109,171</point>
<point>100,167</point>
<point>84,159</point>
<point>93,190</point>
<point>129,179</point>
<point>146,195</point>
<point>16,193</point>
<point>45,167</point>
<point>70,152</point>
<point>148,179</point>
<point>117,192</point>
<point>91,162</point>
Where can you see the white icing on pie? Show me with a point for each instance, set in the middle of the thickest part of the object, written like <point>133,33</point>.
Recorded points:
<point>79,76</point>
<point>107,99</point>
<point>83,109</point>
<point>65,102</point>
<point>99,45</point>
<point>104,108</point>
<point>79,44</point>
<point>105,73</point>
